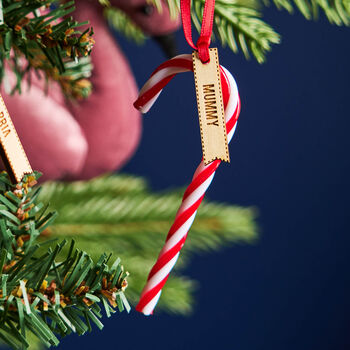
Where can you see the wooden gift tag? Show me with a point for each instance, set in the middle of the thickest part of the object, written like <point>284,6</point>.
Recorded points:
<point>11,149</point>
<point>210,108</point>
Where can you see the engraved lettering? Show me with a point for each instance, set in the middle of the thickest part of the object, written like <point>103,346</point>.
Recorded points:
<point>4,126</point>
<point>210,105</point>
<point>207,89</point>
<point>6,132</point>
<point>215,122</point>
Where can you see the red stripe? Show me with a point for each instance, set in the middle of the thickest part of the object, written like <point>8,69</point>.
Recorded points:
<point>151,92</point>
<point>182,63</point>
<point>164,258</point>
<point>225,86</point>
<point>175,62</point>
<point>147,297</point>
<point>201,177</point>
<point>150,295</point>
<point>181,219</point>
<point>154,90</point>
<point>232,122</point>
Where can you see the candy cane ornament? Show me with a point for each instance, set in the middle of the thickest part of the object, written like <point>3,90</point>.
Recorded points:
<point>202,178</point>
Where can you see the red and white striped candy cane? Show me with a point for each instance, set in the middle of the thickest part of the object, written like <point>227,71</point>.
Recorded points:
<point>201,180</point>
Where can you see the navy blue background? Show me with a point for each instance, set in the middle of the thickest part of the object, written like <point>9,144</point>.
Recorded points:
<point>289,158</point>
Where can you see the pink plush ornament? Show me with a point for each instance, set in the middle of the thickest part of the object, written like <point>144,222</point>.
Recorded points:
<point>97,135</point>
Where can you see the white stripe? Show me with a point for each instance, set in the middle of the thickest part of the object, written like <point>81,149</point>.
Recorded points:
<point>160,274</point>
<point>184,56</point>
<point>159,76</point>
<point>195,195</point>
<point>230,134</point>
<point>147,106</point>
<point>232,104</point>
<point>178,234</point>
<point>148,309</point>
<point>233,100</point>
<point>201,167</point>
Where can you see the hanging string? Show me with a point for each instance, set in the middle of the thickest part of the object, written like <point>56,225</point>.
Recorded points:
<point>203,42</point>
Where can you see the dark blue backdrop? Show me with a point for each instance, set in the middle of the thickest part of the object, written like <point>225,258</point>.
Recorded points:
<point>290,159</point>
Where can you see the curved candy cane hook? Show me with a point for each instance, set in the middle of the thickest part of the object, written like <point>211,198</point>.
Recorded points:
<point>202,178</point>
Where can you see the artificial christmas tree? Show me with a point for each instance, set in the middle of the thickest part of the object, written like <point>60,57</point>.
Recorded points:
<point>37,46</point>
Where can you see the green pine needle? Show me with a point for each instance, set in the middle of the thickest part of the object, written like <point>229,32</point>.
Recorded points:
<point>238,24</point>
<point>50,42</point>
<point>120,22</point>
<point>52,291</point>
<point>336,11</point>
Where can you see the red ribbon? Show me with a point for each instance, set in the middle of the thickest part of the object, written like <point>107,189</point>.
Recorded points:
<point>203,42</point>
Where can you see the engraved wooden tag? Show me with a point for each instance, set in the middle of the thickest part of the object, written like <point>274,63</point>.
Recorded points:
<point>11,149</point>
<point>210,108</point>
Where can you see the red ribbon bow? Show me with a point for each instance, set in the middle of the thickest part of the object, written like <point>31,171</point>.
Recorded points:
<point>203,42</point>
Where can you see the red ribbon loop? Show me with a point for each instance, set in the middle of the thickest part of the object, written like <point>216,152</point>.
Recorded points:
<point>207,27</point>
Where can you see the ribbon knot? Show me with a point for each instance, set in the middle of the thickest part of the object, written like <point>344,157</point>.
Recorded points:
<point>207,26</point>
<point>203,48</point>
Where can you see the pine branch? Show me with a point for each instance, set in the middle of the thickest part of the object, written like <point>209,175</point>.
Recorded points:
<point>173,5</point>
<point>336,11</point>
<point>237,24</point>
<point>49,41</point>
<point>120,214</point>
<point>120,22</point>
<point>44,291</point>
